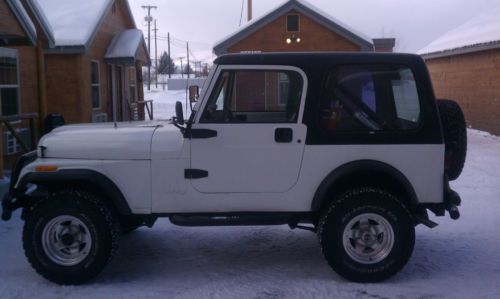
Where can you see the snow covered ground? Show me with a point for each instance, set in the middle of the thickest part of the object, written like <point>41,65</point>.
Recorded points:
<point>457,259</point>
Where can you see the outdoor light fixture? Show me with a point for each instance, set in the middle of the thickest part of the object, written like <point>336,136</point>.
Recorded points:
<point>293,38</point>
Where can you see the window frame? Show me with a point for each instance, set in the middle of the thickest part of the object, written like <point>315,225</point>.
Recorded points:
<point>298,22</point>
<point>222,68</point>
<point>326,81</point>
<point>14,52</point>
<point>279,89</point>
<point>98,85</point>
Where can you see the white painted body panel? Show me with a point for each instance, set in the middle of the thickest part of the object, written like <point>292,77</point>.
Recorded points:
<point>126,141</point>
<point>420,164</point>
<point>245,158</point>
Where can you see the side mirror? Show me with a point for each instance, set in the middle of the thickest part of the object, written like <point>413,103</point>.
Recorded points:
<point>194,93</point>
<point>179,113</point>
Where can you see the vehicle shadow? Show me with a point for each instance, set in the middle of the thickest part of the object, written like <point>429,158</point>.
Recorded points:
<point>170,253</point>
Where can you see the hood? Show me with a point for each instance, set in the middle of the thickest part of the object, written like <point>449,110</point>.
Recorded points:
<point>104,141</point>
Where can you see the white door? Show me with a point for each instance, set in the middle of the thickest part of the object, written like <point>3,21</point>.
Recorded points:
<point>248,136</point>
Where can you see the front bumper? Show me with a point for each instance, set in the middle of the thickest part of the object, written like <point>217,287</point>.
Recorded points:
<point>14,198</point>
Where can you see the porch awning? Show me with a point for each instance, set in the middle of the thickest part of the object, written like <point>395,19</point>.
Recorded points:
<point>127,47</point>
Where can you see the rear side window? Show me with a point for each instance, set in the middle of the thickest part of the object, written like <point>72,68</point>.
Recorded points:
<point>370,98</point>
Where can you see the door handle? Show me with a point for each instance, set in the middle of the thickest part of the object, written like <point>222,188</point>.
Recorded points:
<point>283,135</point>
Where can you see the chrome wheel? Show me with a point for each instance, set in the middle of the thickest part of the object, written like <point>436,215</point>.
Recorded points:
<point>66,240</point>
<point>368,238</point>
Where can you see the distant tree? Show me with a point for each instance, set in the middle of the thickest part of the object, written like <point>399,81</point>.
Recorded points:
<point>205,70</point>
<point>188,69</point>
<point>166,65</point>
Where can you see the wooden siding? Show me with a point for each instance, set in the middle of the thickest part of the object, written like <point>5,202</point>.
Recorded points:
<point>8,23</point>
<point>474,81</point>
<point>73,100</point>
<point>314,37</point>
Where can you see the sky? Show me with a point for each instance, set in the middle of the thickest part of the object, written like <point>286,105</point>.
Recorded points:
<point>414,23</point>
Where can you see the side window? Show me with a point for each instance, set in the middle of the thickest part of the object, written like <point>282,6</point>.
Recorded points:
<point>370,98</point>
<point>132,84</point>
<point>9,84</point>
<point>292,23</point>
<point>95,81</point>
<point>255,96</point>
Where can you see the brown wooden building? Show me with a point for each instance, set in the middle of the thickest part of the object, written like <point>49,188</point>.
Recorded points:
<point>298,26</point>
<point>465,66</point>
<point>82,59</point>
<point>294,26</point>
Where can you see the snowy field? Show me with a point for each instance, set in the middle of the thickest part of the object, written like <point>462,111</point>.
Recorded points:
<point>457,259</point>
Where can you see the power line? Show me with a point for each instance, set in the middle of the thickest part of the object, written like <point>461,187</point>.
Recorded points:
<point>241,15</point>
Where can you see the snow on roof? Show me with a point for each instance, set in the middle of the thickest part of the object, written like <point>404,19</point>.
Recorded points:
<point>293,4</point>
<point>125,44</point>
<point>335,20</point>
<point>73,22</point>
<point>481,30</point>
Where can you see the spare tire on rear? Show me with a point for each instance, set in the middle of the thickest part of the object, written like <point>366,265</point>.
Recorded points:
<point>455,137</point>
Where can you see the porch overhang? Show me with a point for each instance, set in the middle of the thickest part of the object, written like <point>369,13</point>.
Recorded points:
<point>125,48</point>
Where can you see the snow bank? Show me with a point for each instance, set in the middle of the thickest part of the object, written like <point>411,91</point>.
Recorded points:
<point>481,30</point>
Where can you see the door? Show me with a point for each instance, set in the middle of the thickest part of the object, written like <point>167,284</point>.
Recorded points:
<point>120,93</point>
<point>256,115</point>
<point>112,89</point>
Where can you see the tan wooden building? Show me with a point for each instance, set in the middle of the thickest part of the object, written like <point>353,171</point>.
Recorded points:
<point>82,59</point>
<point>464,64</point>
<point>299,26</point>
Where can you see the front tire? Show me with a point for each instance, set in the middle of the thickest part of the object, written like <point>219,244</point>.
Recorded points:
<point>70,236</point>
<point>366,235</point>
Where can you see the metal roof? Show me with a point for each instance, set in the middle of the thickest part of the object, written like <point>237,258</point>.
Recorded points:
<point>306,9</point>
<point>125,46</point>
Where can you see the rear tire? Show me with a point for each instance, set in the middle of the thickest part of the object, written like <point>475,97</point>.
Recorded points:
<point>366,235</point>
<point>70,236</point>
<point>455,137</point>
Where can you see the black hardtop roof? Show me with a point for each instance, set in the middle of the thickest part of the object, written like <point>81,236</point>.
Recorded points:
<point>316,58</point>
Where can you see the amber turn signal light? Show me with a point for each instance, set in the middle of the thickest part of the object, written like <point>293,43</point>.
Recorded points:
<point>46,168</point>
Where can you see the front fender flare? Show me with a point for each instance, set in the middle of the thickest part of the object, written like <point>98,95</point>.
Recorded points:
<point>79,175</point>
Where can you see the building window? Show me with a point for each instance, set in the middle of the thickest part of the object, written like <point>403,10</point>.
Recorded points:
<point>133,88</point>
<point>292,23</point>
<point>95,81</point>
<point>9,82</point>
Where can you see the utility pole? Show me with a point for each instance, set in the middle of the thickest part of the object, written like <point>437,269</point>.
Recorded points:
<point>169,57</point>
<point>249,10</point>
<point>156,57</point>
<point>182,67</point>
<point>149,19</point>
<point>187,68</point>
